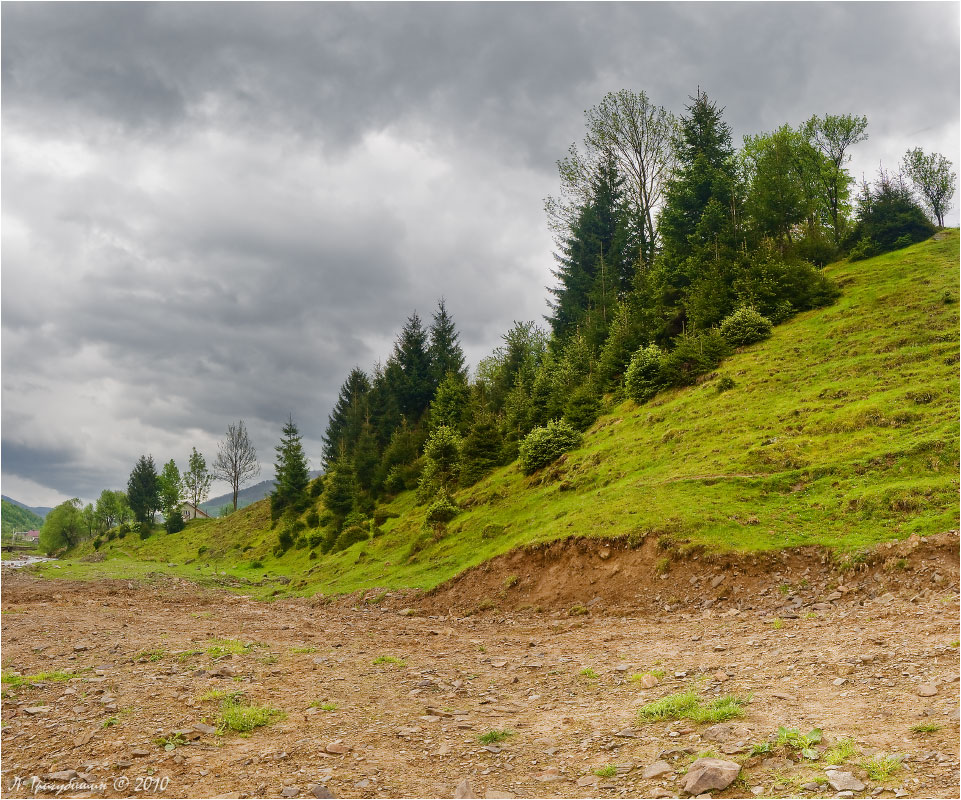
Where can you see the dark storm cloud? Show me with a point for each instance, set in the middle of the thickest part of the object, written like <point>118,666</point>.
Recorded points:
<point>214,211</point>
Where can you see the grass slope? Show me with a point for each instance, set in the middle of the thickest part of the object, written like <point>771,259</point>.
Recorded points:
<point>840,431</point>
<point>15,518</point>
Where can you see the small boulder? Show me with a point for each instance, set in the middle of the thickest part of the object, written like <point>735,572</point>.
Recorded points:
<point>657,769</point>
<point>843,781</point>
<point>464,790</point>
<point>321,792</point>
<point>290,791</point>
<point>706,774</point>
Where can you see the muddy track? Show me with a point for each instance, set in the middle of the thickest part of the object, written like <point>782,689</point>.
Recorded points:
<point>410,685</point>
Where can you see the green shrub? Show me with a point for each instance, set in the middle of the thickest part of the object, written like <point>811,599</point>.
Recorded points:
<point>544,445</point>
<point>313,555</point>
<point>725,384</point>
<point>583,407</point>
<point>97,542</point>
<point>349,536</point>
<point>174,522</point>
<point>745,326</point>
<point>111,535</point>
<point>693,355</point>
<point>256,564</point>
<point>285,540</point>
<point>201,550</point>
<point>643,377</point>
<point>443,509</point>
<point>298,527</point>
<point>889,217</point>
<point>316,538</point>
<point>316,487</point>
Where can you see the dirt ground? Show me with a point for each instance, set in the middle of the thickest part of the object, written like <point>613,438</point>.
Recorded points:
<point>541,644</point>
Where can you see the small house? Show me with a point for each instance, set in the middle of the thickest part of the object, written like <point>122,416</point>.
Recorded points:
<point>190,511</point>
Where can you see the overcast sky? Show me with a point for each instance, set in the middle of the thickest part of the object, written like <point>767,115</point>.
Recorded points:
<point>213,212</point>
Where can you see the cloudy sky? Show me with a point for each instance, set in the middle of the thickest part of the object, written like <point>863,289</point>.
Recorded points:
<point>212,212</point>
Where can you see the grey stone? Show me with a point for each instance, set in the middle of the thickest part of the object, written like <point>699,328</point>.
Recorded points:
<point>843,781</point>
<point>464,790</point>
<point>657,769</point>
<point>62,775</point>
<point>290,791</point>
<point>322,792</point>
<point>710,773</point>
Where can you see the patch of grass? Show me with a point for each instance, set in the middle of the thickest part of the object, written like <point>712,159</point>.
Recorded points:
<point>109,722</point>
<point>843,750</point>
<point>777,623</point>
<point>511,581</point>
<point>151,655</point>
<point>323,705</point>
<point>390,660</point>
<point>244,718</point>
<point>607,771</point>
<point>303,650</point>
<point>221,694</point>
<point>925,727</point>
<point>720,709</point>
<point>803,743</point>
<point>577,610</point>
<point>637,677</point>
<point>217,648</point>
<point>186,655</point>
<point>688,705</point>
<point>880,767</point>
<point>12,679</point>
<point>587,672</point>
<point>201,614</point>
<point>495,736</point>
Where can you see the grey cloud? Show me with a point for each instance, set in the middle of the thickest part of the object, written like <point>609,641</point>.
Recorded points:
<point>214,211</point>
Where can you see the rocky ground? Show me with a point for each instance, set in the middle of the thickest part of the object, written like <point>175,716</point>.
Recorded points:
<point>120,685</point>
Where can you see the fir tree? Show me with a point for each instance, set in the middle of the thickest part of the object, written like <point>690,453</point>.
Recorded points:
<point>291,471</point>
<point>481,450</point>
<point>349,416</point>
<point>414,388</point>
<point>446,355</point>
<point>143,490</point>
<point>340,490</point>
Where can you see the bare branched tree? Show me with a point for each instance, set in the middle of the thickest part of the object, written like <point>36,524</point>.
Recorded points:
<point>236,460</point>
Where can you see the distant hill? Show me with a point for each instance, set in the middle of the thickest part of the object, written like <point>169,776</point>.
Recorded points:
<point>15,517</point>
<point>245,497</point>
<point>40,511</point>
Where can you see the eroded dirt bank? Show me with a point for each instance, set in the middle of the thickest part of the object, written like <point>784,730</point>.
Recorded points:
<point>380,703</point>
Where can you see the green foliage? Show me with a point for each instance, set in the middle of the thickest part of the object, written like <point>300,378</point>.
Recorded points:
<point>582,408</point>
<point>339,491</point>
<point>745,326</point>
<point>196,480</point>
<point>347,419</point>
<point>143,489</point>
<point>545,445</point>
<point>481,450</point>
<point>350,536</point>
<point>16,519</point>
<point>643,378</point>
<point>441,463</point>
<point>843,750</point>
<point>494,736</point>
<point>880,767</point>
<point>63,527</point>
<point>888,219</point>
<point>174,522</point>
<point>443,509</point>
<point>692,355</point>
<point>243,718</point>
<point>933,179</point>
<point>687,705</point>
<point>445,354</point>
<point>291,471</point>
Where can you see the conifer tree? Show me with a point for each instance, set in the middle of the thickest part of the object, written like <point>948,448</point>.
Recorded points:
<point>446,355</point>
<point>349,416</point>
<point>481,450</point>
<point>414,388</point>
<point>143,490</point>
<point>340,490</point>
<point>291,470</point>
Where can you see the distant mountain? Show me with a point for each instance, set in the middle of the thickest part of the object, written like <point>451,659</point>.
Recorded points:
<point>15,517</point>
<point>40,511</point>
<point>245,497</point>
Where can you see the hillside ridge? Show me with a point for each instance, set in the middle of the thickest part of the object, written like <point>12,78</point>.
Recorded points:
<point>839,432</point>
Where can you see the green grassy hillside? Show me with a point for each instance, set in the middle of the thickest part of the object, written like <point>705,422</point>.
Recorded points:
<point>840,431</point>
<point>16,518</point>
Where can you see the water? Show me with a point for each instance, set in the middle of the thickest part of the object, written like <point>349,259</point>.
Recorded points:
<point>15,562</point>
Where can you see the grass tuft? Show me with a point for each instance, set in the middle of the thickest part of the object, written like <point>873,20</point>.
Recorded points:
<point>687,705</point>
<point>244,718</point>
<point>495,736</point>
<point>880,767</point>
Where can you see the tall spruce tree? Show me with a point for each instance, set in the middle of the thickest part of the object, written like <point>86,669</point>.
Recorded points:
<point>348,418</point>
<point>143,490</point>
<point>595,262</point>
<point>446,355</point>
<point>414,388</point>
<point>291,470</point>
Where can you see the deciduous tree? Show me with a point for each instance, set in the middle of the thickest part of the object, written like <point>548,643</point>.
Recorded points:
<point>236,460</point>
<point>196,480</point>
<point>933,180</point>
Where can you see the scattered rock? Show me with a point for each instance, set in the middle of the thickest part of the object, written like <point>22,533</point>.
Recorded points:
<point>657,769</point>
<point>290,791</point>
<point>62,775</point>
<point>927,690</point>
<point>710,773</point>
<point>140,752</point>
<point>337,748</point>
<point>587,780</point>
<point>843,781</point>
<point>34,710</point>
<point>463,790</point>
<point>202,727</point>
<point>648,681</point>
<point>322,792</point>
